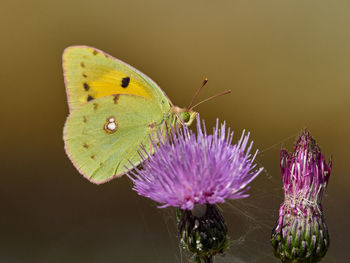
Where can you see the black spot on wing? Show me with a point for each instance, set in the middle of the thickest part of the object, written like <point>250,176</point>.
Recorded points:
<point>89,98</point>
<point>86,86</point>
<point>125,82</point>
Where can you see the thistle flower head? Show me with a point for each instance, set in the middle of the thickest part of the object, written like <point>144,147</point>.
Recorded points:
<point>305,174</point>
<point>188,169</point>
<point>301,233</point>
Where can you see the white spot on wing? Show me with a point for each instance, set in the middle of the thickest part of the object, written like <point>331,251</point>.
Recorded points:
<point>110,125</point>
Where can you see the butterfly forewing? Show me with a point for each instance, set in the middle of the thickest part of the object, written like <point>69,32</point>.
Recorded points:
<point>90,74</point>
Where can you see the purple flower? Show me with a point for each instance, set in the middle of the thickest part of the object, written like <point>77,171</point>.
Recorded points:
<point>305,175</point>
<point>301,233</point>
<point>189,169</point>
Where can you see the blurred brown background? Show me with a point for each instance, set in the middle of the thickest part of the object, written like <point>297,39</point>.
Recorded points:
<point>287,63</point>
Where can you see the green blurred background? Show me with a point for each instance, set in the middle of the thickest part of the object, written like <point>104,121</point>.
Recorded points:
<point>287,63</point>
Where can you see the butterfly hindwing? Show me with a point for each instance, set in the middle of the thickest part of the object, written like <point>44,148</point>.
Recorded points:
<point>103,136</point>
<point>90,74</point>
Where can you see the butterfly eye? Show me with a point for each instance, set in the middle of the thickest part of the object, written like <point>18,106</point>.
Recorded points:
<point>186,116</point>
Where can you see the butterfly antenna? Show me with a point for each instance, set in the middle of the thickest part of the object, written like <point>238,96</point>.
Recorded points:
<point>197,92</point>
<point>212,97</point>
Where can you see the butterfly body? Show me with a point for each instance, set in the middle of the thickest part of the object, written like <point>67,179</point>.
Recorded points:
<point>114,109</point>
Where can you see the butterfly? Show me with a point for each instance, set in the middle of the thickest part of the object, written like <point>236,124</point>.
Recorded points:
<point>113,110</point>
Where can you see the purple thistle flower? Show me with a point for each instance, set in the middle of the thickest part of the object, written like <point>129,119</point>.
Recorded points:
<point>301,233</point>
<point>189,169</point>
<point>305,175</point>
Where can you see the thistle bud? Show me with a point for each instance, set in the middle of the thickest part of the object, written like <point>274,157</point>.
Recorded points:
<point>301,234</point>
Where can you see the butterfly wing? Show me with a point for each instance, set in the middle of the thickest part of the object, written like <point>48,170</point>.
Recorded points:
<point>90,74</point>
<point>103,136</point>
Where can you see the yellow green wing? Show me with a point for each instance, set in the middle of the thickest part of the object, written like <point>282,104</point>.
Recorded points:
<point>103,136</point>
<point>90,74</point>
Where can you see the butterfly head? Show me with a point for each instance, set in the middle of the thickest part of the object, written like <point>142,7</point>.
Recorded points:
<point>184,116</point>
<point>188,116</point>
